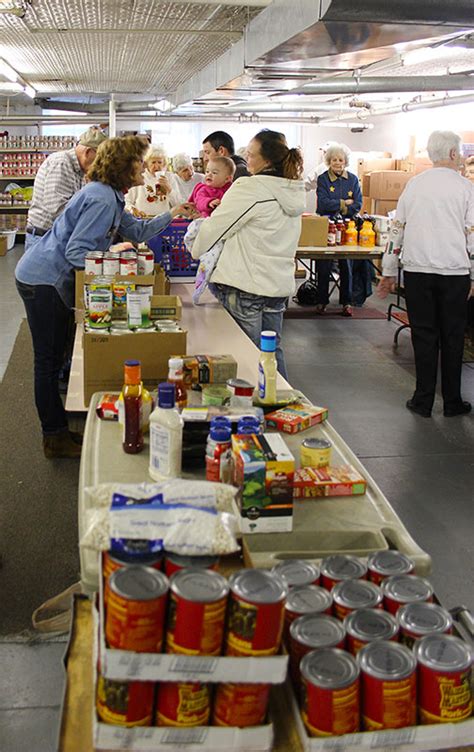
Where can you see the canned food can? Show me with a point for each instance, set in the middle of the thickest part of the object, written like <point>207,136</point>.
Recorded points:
<point>340,567</point>
<point>197,608</point>
<point>383,564</point>
<point>315,453</point>
<point>136,606</point>
<point>444,679</point>
<point>240,705</point>
<point>99,307</point>
<point>183,704</point>
<point>388,684</point>
<point>113,560</point>
<point>93,263</point>
<point>305,599</point>
<point>417,620</point>
<point>175,562</point>
<point>124,703</point>
<point>350,595</point>
<point>111,264</point>
<point>330,693</point>
<point>311,632</point>
<point>405,588</point>
<point>145,262</point>
<point>256,613</point>
<point>297,572</point>
<point>119,293</point>
<point>367,625</point>
<point>128,264</point>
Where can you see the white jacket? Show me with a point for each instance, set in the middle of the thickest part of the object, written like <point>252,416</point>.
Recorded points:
<point>434,226</point>
<point>146,199</point>
<point>260,220</point>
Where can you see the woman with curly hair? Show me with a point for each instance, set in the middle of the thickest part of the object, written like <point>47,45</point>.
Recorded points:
<point>45,274</point>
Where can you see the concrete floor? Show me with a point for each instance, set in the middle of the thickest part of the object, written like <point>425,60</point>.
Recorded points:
<point>424,467</point>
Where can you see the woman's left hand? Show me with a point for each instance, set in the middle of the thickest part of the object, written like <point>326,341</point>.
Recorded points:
<point>187,210</point>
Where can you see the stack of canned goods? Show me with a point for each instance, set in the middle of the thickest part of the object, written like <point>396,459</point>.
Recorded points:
<point>188,610</point>
<point>123,263</point>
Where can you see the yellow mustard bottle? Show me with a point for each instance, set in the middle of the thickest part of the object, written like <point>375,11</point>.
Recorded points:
<point>351,233</point>
<point>367,235</point>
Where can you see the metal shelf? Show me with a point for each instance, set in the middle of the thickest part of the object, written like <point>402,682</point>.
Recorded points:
<point>17,177</point>
<point>14,208</point>
<point>33,151</point>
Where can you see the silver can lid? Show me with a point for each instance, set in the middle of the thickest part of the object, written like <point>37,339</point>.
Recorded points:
<point>316,444</point>
<point>385,660</point>
<point>343,567</point>
<point>407,588</point>
<point>368,624</point>
<point>357,594</point>
<point>389,562</point>
<point>330,668</point>
<point>138,583</point>
<point>317,630</point>
<point>128,255</point>
<point>94,255</point>
<point>297,571</point>
<point>308,599</point>
<point>423,618</point>
<point>443,653</point>
<point>258,586</point>
<point>199,585</point>
<point>184,562</point>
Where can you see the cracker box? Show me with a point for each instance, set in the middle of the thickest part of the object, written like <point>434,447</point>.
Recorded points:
<point>340,480</point>
<point>263,468</point>
<point>208,369</point>
<point>295,418</point>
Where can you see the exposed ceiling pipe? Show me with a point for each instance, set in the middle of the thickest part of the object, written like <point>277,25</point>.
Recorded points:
<point>287,107</point>
<point>382,85</point>
<point>162,31</point>
<point>235,3</point>
<point>407,107</point>
<point>65,119</point>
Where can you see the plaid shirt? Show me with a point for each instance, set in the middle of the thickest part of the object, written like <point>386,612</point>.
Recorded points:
<point>58,179</point>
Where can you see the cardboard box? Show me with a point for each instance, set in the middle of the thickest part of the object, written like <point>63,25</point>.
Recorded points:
<point>340,480</point>
<point>381,206</point>
<point>314,231</point>
<point>370,165</point>
<point>296,418</point>
<point>263,469</point>
<point>365,184</point>
<point>209,369</point>
<point>165,307</point>
<point>3,245</point>
<point>158,280</point>
<point>387,184</point>
<point>105,354</point>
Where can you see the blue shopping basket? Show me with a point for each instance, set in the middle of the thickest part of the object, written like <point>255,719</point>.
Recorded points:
<point>170,251</point>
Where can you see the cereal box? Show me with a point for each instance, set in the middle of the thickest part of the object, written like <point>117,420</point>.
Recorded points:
<point>295,418</point>
<point>263,468</point>
<point>340,480</point>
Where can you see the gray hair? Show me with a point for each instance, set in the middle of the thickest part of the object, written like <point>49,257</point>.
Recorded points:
<point>181,160</point>
<point>440,144</point>
<point>155,151</point>
<point>336,150</point>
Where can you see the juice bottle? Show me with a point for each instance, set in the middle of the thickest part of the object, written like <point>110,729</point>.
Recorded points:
<point>367,235</point>
<point>331,232</point>
<point>166,436</point>
<point>132,401</point>
<point>175,376</point>
<point>351,233</point>
<point>267,368</point>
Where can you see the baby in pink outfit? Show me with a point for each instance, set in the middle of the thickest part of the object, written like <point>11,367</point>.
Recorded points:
<point>217,180</point>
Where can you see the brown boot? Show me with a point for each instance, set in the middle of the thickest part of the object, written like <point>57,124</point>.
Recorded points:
<point>61,446</point>
<point>76,437</point>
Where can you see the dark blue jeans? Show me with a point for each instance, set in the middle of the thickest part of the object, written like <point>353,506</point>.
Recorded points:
<point>345,281</point>
<point>48,319</point>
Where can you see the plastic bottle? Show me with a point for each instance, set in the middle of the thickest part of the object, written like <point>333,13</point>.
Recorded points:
<point>166,436</point>
<point>267,368</point>
<point>351,233</point>
<point>367,235</point>
<point>218,454</point>
<point>132,400</point>
<point>175,376</point>
<point>248,424</point>
<point>339,230</point>
<point>331,232</point>
<point>145,412</point>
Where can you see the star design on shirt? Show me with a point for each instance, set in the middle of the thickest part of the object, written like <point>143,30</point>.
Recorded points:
<point>349,193</point>
<point>332,189</point>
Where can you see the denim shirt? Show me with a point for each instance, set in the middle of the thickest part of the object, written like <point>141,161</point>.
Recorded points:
<point>89,222</point>
<point>332,190</point>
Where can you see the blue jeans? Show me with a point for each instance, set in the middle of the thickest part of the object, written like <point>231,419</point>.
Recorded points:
<point>31,240</point>
<point>254,314</point>
<point>345,281</point>
<point>48,319</point>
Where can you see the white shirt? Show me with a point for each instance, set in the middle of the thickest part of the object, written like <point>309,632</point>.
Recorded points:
<point>311,182</point>
<point>184,188</point>
<point>434,226</point>
<point>147,199</point>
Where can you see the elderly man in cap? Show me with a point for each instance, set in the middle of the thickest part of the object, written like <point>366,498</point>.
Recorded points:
<point>60,176</point>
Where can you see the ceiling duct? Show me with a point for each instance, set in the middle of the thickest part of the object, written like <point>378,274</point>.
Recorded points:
<point>384,84</point>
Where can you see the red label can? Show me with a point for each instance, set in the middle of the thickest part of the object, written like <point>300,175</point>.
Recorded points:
<point>383,564</point>
<point>340,567</point>
<point>306,599</point>
<point>196,616</point>
<point>111,561</point>
<point>330,693</point>
<point>444,674</point>
<point>240,705</point>
<point>405,588</point>
<point>136,607</point>
<point>124,703</point>
<point>388,683</point>
<point>175,562</point>
<point>368,624</point>
<point>417,620</point>
<point>183,704</point>
<point>256,613</point>
<point>350,595</point>
<point>298,572</point>
<point>310,632</point>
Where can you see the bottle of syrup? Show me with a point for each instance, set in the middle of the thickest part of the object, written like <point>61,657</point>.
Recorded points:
<point>132,401</point>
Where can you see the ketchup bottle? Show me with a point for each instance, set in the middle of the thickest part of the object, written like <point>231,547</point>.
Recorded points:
<point>132,402</point>
<point>331,232</point>
<point>340,230</point>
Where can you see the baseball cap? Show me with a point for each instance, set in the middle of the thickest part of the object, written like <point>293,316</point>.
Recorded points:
<point>92,138</point>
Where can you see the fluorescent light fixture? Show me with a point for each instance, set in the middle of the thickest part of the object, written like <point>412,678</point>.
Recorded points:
<point>7,71</point>
<point>29,91</point>
<point>163,105</point>
<point>429,54</point>
<point>9,86</point>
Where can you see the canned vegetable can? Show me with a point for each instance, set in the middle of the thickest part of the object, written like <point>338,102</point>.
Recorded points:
<point>310,632</point>
<point>417,620</point>
<point>405,588</point>
<point>305,599</point>
<point>297,572</point>
<point>240,705</point>
<point>340,567</point>
<point>382,564</point>
<point>183,704</point>
<point>367,625</point>
<point>350,595</point>
<point>124,703</point>
<point>315,453</point>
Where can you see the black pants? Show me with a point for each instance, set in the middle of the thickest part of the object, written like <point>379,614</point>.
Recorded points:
<point>48,319</point>
<point>437,309</point>
<point>345,281</point>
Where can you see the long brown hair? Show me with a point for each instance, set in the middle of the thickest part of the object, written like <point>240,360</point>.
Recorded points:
<point>113,164</point>
<point>274,148</point>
